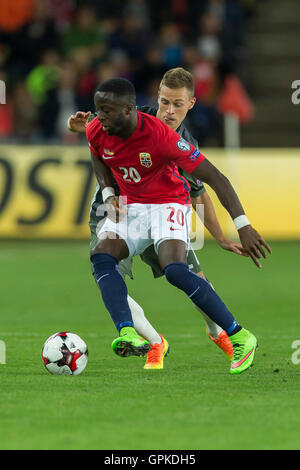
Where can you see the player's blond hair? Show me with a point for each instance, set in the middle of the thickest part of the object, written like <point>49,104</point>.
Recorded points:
<point>178,78</point>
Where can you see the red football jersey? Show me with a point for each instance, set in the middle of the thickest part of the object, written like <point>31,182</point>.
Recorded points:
<point>145,164</point>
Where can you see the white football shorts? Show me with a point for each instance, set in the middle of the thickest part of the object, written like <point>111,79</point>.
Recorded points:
<point>146,224</point>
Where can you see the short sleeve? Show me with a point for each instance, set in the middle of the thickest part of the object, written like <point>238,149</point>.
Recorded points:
<point>198,192</point>
<point>94,152</point>
<point>197,187</point>
<point>89,131</point>
<point>184,154</point>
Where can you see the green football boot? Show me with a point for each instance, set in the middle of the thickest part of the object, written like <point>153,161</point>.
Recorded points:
<point>130,343</point>
<point>244,344</point>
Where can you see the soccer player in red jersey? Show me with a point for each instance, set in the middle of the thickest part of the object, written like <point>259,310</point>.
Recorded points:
<point>142,154</point>
<point>175,99</point>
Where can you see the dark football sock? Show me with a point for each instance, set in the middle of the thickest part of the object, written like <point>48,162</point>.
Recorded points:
<point>113,289</point>
<point>202,294</point>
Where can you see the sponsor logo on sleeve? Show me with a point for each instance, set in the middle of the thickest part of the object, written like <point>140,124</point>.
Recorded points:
<point>183,145</point>
<point>194,155</point>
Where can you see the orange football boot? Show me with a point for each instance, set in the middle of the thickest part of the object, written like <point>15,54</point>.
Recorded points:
<point>223,342</point>
<point>156,355</point>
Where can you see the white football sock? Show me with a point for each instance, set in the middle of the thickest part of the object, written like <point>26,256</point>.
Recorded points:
<point>141,324</point>
<point>213,329</point>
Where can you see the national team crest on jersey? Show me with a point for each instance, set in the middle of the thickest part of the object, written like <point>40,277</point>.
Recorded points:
<point>145,159</point>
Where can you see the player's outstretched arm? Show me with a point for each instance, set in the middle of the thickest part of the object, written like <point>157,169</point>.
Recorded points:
<point>77,122</point>
<point>251,241</point>
<point>213,226</point>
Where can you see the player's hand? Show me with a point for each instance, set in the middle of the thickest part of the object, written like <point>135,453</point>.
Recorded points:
<point>77,122</point>
<point>253,244</point>
<point>235,247</point>
<point>115,209</point>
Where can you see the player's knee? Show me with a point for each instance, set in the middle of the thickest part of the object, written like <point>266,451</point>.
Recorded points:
<point>175,272</point>
<point>116,247</point>
<point>103,246</point>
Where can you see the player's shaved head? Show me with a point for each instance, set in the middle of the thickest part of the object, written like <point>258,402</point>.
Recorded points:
<point>115,102</point>
<point>117,89</point>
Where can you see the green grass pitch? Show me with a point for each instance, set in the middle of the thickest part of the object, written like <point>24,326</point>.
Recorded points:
<point>194,403</point>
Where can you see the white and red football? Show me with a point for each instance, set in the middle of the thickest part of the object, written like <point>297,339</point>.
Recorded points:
<point>65,353</point>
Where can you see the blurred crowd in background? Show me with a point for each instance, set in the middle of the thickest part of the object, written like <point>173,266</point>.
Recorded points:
<point>53,53</point>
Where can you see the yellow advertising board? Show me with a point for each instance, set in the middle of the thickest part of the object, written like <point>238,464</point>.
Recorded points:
<point>268,184</point>
<point>45,192</point>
